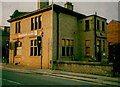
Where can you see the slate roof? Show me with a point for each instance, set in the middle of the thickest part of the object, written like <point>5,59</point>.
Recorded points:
<point>19,15</point>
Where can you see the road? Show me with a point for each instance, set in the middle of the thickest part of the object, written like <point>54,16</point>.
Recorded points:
<point>10,77</point>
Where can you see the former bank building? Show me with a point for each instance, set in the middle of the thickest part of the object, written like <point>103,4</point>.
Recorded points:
<point>66,36</point>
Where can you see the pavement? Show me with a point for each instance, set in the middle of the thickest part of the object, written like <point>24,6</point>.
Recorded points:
<point>102,80</point>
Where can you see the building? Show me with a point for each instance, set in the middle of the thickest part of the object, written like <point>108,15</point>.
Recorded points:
<point>4,35</point>
<point>113,34</point>
<point>66,36</point>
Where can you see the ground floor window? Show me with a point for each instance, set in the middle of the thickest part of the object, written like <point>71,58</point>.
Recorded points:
<point>87,48</point>
<point>67,47</point>
<point>63,51</point>
<point>34,50</point>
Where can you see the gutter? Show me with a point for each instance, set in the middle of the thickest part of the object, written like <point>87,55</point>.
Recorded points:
<point>52,39</point>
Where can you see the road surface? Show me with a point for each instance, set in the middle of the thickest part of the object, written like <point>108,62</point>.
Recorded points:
<point>10,77</point>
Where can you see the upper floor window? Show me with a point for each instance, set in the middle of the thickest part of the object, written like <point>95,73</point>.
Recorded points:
<point>87,24</point>
<point>36,23</point>
<point>17,27</point>
<point>103,26</point>
<point>98,25</point>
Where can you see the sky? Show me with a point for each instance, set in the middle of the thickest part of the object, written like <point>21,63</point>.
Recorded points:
<point>104,8</point>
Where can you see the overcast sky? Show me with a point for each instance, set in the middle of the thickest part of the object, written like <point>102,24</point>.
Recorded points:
<point>107,9</point>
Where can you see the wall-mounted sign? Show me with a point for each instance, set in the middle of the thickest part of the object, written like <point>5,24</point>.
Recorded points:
<point>28,34</point>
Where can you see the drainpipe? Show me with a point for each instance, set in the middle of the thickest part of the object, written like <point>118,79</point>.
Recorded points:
<point>52,38</point>
<point>95,34</point>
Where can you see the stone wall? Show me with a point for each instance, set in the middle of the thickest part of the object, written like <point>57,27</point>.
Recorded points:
<point>84,67</point>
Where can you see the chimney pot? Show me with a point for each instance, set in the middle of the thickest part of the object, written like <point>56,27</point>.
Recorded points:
<point>69,5</point>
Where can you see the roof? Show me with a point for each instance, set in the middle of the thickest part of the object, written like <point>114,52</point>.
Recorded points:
<point>117,21</point>
<point>97,16</point>
<point>58,8</point>
<point>20,15</point>
<point>17,14</point>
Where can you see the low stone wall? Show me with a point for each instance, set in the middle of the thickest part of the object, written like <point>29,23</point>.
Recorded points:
<point>84,67</point>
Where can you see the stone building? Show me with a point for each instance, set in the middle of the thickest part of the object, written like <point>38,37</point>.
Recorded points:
<point>66,36</point>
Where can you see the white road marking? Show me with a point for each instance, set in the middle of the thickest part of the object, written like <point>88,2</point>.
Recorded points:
<point>11,81</point>
<point>76,80</point>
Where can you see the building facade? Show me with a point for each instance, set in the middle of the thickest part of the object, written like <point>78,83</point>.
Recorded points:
<point>113,34</point>
<point>66,36</point>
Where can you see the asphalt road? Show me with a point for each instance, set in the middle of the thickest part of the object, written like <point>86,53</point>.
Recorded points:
<point>20,78</point>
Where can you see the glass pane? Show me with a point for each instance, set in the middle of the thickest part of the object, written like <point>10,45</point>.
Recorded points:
<point>35,42</point>
<point>63,51</point>
<point>31,51</point>
<point>67,42</point>
<point>67,51</point>
<point>87,43</point>
<point>87,25</point>
<point>35,22</point>
<point>63,42</point>
<point>87,51</point>
<point>98,43</point>
<point>35,51</point>
<point>71,42</point>
<point>31,42</point>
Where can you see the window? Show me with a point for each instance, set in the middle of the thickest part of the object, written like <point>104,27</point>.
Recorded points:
<point>87,25</point>
<point>87,43</point>
<point>63,42</point>
<point>67,51</point>
<point>63,51</point>
<point>67,47</point>
<point>17,27</point>
<point>67,42</point>
<point>32,24</point>
<point>39,19</point>
<point>103,26</point>
<point>34,50</point>
<point>36,23</point>
<point>98,25</point>
<point>71,42</point>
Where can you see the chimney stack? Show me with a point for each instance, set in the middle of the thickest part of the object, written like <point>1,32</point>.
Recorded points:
<point>69,5</point>
<point>42,3</point>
